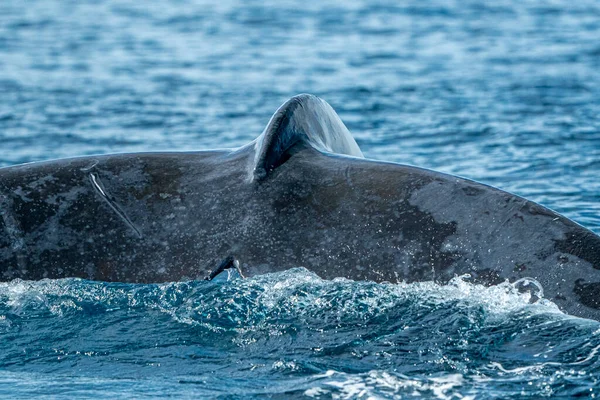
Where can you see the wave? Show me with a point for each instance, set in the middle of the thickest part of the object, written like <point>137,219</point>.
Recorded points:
<point>293,332</point>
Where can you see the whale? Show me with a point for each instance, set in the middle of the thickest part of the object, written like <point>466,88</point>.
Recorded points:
<point>300,195</point>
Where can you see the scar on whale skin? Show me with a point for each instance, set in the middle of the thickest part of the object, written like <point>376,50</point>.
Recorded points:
<point>97,184</point>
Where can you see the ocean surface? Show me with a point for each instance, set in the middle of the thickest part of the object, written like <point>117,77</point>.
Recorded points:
<point>504,92</point>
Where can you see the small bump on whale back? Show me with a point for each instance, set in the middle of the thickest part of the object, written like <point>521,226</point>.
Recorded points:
<point>302,120</point>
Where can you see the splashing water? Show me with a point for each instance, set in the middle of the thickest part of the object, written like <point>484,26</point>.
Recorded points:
<point>293,333</point>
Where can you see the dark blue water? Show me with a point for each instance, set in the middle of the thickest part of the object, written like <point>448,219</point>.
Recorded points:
<point>504,92</point>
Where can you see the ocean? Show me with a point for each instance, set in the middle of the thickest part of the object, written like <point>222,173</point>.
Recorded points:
<point>506,93</point>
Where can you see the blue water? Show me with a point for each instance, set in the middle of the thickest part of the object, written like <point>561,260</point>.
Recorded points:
<point>504,92</point>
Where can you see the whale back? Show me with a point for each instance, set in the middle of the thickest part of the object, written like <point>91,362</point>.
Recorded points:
<point>311,201</point>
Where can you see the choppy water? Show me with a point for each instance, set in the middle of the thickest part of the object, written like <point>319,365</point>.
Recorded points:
<point>290,333</point>
<point>504,92</point>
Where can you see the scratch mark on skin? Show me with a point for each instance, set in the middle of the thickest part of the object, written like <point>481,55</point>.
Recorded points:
<point>97,184</point>
<point>348,176</point>
<point>85,169</point>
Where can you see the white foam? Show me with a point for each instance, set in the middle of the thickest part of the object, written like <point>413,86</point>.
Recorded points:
<point>381,384</point>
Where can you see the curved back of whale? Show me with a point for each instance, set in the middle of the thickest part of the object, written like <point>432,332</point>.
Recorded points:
<point>156,217</point>
<point>302,120</point>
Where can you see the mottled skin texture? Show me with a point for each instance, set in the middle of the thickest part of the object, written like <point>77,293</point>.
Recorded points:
<point>155,217</point>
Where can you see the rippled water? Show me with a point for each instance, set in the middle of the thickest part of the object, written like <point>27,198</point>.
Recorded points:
<point>291,333</point>
<point>504,92</point>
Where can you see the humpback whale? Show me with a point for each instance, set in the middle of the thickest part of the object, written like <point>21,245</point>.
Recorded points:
<point>300,195</point>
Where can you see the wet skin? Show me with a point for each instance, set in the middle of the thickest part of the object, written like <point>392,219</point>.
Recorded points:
<point>284,201</point>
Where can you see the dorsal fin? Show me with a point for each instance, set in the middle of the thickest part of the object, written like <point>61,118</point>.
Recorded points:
<point>303,119</point>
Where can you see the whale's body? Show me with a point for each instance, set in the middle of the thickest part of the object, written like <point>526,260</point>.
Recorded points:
<point>301,195</point>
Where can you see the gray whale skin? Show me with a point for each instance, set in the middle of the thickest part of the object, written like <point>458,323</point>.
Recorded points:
<point>300,195</point>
